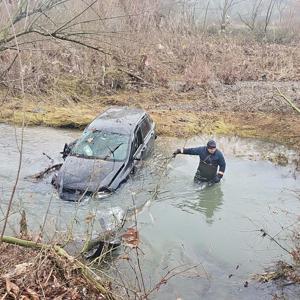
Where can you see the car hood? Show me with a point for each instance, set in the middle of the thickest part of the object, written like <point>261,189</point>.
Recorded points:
<point>84,174</point>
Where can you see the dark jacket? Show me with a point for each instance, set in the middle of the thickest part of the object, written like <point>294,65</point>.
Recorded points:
<point>216,159</point>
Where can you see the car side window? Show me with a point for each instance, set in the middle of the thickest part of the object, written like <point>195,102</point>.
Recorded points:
<point>145,126</point>
<point>138,140</point>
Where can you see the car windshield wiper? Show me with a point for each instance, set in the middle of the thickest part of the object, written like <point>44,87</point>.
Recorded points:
<point>82,155</point>
<point>77,154</point>
<point>112,152</point>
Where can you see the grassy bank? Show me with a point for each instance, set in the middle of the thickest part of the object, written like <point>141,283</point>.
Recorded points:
<point>181,116</point>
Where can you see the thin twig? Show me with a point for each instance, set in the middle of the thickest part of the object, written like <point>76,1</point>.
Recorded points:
<point>274,240</point>
<point>136,249</point>
<point>22,134</point>
<point>46,216</point>
<point>170,274</point>
<point>9,67</point>
<point>74,18</point>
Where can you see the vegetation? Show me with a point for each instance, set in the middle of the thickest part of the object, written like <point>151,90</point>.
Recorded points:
<point>78,58</point>
<point>228,67</point>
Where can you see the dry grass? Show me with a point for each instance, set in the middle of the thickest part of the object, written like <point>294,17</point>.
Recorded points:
<point>195,61</point>
<point>181,121</point>
<point>155,46</point>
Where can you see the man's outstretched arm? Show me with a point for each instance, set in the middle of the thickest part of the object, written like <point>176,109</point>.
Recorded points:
<point>190,151</point>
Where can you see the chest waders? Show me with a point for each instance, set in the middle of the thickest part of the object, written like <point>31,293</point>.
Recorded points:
<point>205,171</point>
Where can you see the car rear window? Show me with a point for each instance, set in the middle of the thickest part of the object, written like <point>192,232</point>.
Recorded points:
<point>102,145</point>
<point>146,126</point>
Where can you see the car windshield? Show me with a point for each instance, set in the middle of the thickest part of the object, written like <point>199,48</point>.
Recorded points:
<point>102,145</point>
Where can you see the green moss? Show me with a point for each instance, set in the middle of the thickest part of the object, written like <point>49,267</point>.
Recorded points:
<point>73,87</point>
<point>69,117</point>
<point>223,128</point>
<point>169,122</point>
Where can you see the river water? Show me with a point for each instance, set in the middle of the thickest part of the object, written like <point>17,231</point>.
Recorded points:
<point>216,228</point>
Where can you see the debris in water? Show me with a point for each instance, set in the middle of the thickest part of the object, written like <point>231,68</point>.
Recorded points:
<point>131,237</point>
<point>45,172</point>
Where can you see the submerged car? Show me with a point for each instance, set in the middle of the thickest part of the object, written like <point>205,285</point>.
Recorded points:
<point>106,153</point>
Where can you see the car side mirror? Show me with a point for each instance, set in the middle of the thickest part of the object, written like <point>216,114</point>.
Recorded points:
<point>66,151</point>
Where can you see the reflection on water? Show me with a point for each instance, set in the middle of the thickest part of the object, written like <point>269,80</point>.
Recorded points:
<point>206,199</point>
<point>214,227</point>
<point>209,200</point>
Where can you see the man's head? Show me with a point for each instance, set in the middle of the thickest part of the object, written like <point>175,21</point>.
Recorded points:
<point>211,146</point>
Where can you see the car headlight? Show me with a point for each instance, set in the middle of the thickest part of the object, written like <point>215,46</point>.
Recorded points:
<point>103,193</point>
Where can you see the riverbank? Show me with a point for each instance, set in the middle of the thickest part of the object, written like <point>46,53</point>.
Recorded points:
<point>246,109</point>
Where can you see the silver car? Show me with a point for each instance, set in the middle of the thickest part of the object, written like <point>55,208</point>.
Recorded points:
<point>106,153</point>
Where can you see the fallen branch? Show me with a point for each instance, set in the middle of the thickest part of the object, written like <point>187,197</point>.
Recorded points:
<point>46,171</point>
<point>23,243</point>
<point>137,77</point>
<point>288,100</point>
<point>86,271</point>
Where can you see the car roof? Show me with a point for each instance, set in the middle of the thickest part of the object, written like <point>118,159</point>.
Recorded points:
<point>118,119</point>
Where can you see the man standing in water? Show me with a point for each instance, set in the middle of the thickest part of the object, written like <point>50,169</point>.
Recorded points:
<point>210,160</point>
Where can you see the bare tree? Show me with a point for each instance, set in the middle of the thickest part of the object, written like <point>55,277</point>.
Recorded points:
<point>251,20</point>
<point>281,7</point>
<point>269,14</point>
<point>205,15</point>
<point>58,26</point>
<point>39,22</point>
<point>225,8</point>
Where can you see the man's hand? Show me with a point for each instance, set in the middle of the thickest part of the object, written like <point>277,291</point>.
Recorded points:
<point>178,151</point>
<point>217,178</point>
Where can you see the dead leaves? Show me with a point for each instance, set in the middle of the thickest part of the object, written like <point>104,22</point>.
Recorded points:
<point>18,270</point>
<point>41,275</point>
<point>283,271</point>
<point>30,294</point>
<point>12,289</point>
<point>131,238</point>
<point>15,292</point>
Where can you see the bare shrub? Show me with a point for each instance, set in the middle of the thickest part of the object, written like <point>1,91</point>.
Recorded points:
<point>86,48</point>
<point>198,72</point>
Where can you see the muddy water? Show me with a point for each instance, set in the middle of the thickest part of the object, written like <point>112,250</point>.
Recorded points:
<point>213,228</point>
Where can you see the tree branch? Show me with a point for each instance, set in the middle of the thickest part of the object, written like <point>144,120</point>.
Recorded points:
<point>64,38</point>
<point>74,18</point>
<point>9,67</point>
